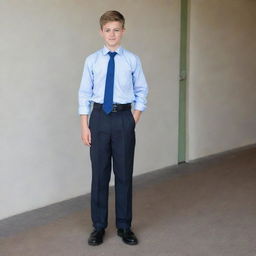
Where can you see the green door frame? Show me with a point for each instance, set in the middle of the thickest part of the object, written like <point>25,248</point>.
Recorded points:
<point>183,82</point>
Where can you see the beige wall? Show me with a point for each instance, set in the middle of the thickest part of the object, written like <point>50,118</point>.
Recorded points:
<point>43,45</point>
<point>222,64</point>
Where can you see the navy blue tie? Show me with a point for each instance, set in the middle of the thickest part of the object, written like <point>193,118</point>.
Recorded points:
<point>109,87</point>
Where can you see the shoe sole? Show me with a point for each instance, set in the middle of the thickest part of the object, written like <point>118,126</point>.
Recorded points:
<point>93,244</point>
<point>130,243</point>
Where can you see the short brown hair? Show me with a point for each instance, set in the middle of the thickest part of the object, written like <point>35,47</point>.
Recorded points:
<point>111,16</point>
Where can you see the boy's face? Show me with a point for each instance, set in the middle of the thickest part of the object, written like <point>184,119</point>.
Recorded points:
<point>112,33</point>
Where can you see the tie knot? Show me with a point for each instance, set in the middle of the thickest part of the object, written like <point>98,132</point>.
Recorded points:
<point>112,54</point>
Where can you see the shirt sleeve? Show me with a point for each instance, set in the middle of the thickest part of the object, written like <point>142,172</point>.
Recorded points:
<point>85,90</point>
<point>140,87</point>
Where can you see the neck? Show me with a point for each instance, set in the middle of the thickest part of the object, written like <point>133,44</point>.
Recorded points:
<point>112,49</point>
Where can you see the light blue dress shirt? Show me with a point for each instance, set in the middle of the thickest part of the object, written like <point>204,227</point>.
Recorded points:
<point>130,85</point>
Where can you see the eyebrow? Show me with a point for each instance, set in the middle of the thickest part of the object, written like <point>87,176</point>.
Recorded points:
<point>113,28</point>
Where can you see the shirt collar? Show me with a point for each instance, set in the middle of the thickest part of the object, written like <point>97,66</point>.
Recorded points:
<point>119,50</point>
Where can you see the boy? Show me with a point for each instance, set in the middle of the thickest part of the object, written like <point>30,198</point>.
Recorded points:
<point>112,80</point>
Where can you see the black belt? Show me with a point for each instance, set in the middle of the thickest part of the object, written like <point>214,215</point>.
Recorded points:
<point>116,107</point>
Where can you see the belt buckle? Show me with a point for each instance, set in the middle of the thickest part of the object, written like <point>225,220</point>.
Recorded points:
<point>114,108</point>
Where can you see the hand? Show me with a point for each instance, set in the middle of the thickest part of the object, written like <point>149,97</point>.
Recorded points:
<point>136,116</point>
<point>86,136</point>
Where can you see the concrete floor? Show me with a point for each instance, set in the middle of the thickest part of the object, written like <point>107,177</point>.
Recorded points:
<point>204,208</point>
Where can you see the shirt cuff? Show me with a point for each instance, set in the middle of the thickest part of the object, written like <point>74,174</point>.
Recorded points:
<point>139,106</point>
<point>84,111</point>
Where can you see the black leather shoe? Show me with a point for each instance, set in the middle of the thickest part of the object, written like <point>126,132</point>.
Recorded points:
<point>96,237</point>
<point>127,235</point>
